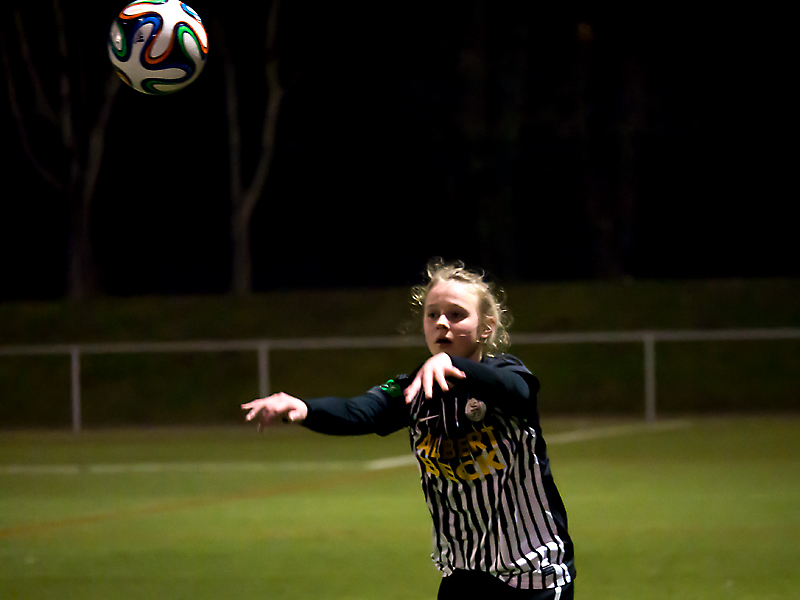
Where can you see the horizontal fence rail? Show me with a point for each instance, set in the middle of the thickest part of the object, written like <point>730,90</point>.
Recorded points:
<point>262,348</point>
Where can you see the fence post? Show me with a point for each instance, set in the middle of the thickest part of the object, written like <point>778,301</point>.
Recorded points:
<point>75,371</point>
<point>649,377</point>
<point>263,369</point>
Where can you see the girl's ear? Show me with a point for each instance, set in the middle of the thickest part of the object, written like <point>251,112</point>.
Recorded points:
<point>488,327</point>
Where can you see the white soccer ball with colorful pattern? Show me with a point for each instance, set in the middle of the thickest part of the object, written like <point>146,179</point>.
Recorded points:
<point>158,46</point>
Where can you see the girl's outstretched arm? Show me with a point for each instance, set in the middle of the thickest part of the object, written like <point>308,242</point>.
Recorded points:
<point>373,412</point>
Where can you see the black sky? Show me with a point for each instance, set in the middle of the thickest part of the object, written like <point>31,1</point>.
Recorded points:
<point>537,148</point>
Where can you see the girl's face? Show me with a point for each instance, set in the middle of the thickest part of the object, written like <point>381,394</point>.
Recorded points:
<point>452,321</point>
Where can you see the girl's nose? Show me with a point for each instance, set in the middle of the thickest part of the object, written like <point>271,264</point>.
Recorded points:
<point>442,321</point>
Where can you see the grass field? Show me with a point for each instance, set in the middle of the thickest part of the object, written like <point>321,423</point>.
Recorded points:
<point>697,508</point>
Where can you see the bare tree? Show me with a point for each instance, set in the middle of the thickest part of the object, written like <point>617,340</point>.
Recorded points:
<point>244,196</point>
<point>72,172</point>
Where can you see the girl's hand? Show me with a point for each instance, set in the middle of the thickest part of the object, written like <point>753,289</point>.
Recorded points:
<point>437,368</point>
<point>280,406</point>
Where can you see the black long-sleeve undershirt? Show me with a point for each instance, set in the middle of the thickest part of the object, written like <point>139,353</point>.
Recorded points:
<point>508,388</point>
<point>500,381</point>
<point>367,413</point>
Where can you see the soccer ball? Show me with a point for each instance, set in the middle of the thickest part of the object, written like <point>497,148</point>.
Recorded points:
<point>158,46</point>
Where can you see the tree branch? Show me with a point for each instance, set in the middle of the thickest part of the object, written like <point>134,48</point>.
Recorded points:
<point>19,117</point>
<point>232,113</point>
<point>97,137</point>
<point>269,130</point>
<point>65,117</point>
<point>41,105</point>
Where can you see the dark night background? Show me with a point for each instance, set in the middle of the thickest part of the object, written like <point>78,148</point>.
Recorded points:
<point>542,149</point>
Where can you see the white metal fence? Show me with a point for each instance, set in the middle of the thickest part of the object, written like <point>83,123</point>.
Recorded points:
<point>262,348</point>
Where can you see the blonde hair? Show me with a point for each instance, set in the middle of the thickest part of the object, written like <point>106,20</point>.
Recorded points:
<point>490,304</point>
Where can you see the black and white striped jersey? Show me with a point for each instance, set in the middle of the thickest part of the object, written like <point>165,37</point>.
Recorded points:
<point>487,481</point>
<point>483,467</point>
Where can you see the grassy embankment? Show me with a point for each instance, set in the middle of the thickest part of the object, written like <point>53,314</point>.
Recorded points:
<point>202,388</point>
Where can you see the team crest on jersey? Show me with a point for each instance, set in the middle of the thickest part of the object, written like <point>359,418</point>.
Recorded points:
<point>475,410</point>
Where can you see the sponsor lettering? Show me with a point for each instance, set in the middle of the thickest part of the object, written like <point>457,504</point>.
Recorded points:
<point>467,458</point>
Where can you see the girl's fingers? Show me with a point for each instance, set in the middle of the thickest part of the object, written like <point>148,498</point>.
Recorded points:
<point>442,381</point>
<point>427,383</point>
<point>252,414</point>
<point>426,377</point>
<point>264,409</point>
<point>412,390</point>
<point>457,373</point>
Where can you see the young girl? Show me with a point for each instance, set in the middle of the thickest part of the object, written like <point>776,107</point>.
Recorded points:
<point>499,525</point>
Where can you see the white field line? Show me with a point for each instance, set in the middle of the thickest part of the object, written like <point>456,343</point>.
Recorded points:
<point>609,431</point>
<point>379,464</point>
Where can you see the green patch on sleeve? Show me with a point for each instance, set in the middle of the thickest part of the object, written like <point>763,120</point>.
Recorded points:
<point>392,388</point>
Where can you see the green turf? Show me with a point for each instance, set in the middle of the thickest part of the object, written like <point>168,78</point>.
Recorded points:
<point>702,511</point>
